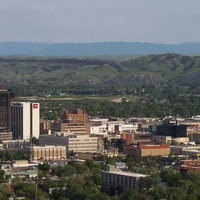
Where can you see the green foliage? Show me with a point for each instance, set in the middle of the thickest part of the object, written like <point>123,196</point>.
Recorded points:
<point>2,175</point>
<point>35,141</point>
<point>82,181</point>
<point>128,195</point>
<point>45,167</point>
<point>149,182</point>
<point>190,197</point>
<point>175,193</point>
<point>4,193</point>
<point>25,190</point>
<point>8,155</point>
<point>170,176</point>
<point>29,191</point>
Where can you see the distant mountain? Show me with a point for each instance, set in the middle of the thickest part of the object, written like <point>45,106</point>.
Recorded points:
<point>94,49</point>
<point>146,70</point>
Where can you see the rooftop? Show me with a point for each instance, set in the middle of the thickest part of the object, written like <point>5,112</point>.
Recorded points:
<point>151,146</point>
<point>126,173</point>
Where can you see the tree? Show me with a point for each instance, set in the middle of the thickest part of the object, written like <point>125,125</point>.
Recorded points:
<point>4,193</point>
<point>175,193</point>
<point>170,176</point>
<point>149,182</point>
<point>193,176</point>
<point>174,142</point>
<point>45,167</point>
<point>2,175</point>
<point>128,195</point>
<point>190,197</point>
<point>35,141</point>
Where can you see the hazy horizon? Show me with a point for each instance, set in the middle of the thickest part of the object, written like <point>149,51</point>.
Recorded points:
<point>94,21</point>
<point>186,42</point>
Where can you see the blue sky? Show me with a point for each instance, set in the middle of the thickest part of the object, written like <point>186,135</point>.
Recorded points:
<point>74,21</point>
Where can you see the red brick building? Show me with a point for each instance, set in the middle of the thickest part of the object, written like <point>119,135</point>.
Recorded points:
<point>142,150</point>
<point>128,138</point>
<point>76,114</point>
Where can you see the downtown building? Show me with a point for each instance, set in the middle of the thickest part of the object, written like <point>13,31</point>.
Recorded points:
<point>72,142</point>
<point>25,120</point>
<point>6,96</point>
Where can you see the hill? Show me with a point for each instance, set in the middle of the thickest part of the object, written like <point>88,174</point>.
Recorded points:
<point>92,49</point>
<point>152,69</point>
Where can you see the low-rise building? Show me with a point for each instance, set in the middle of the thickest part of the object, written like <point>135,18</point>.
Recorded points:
<point>128,137</point>
<point>75,143</point>
<point>71,126</point>
<point>98,129</point>
<point>126,128</point>
<point>5,134</point>
<point>13,172</point>
<point>45,127</point>
<point>76,114</point>
<point>112,123</point>
<point>48,152</point>
<point>191,162</point>
<point>169,139</point>
<point>112,178</point>
<point>19,163</point>
<point>184,149</point>
<point>142,150</point>
<point>16,144</point>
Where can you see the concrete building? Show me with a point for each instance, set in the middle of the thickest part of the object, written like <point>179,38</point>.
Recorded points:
<point>25,120</point>
<point>75,143</point>
<point>98,129</point>
<point>126,128</point>
<point>112,178</point>
<point>48,152</point>
<point>144,127</point>
<point>112,123</point>
<point>5,107</point>
<point>140,151</point>
<point>190,150</point>
<point>16,144</point>
<point>106,126</point>
<point>169,139</point>
<point>109,123</point>
<point>71,126</point>
<point>5,134</point>
<point>20,163</point>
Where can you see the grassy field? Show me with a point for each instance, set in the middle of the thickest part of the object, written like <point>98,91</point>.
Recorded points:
<point>116,99</point>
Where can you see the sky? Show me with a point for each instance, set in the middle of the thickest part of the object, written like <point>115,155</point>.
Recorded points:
<point>83,21</point>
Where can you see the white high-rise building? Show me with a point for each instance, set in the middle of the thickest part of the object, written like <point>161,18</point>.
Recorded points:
<point>25,120</point>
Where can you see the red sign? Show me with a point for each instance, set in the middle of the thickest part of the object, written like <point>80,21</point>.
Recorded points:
<point>35,105</point>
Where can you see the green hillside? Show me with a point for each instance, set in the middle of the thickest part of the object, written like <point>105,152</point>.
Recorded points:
<point>151,69</point>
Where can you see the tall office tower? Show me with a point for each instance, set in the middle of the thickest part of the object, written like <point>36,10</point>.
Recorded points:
<point>5,105</point>
<point>25,120</point>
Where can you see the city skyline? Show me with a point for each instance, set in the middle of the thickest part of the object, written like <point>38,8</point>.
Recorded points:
<point>90,21</point>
